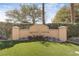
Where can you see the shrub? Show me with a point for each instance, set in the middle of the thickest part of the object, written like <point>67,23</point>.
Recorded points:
<point>2,37</point>
<point>73,30</point>
<point>43,38</point>
<point>74,40</point>
<point>6,44</point>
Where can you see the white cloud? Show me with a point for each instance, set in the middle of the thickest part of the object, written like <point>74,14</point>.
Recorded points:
<point>2,16</point>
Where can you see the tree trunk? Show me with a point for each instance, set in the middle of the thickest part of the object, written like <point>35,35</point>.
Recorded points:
<point>43,16</point>
<point>33,20</point>
<point>72,13</point>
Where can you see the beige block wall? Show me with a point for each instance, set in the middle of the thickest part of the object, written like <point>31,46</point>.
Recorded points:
<point>60,33</point>
<point>24,33</point>
<point>63,33</point>
<point>39,28</point>
<point>15,32</point>
<point>54,33</point>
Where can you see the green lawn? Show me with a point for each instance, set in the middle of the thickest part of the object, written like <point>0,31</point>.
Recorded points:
<point>40,49</point>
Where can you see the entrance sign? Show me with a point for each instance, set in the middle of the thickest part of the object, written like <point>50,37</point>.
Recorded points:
<point>39,29</point>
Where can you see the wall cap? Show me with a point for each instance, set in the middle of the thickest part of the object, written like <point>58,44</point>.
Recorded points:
<point>63,27</point>
<point>15,27</point>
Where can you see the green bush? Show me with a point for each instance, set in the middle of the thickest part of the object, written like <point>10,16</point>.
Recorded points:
<point>73,30</point>
<point>8,44</point>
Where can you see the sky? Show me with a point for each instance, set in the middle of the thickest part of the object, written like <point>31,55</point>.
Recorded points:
<point>50,9</point>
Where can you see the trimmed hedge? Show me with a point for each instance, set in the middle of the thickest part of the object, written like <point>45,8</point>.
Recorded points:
<point>73,29</point>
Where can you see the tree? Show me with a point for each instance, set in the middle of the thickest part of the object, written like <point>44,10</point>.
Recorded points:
<point>25,12</point>
<point>63,15</point>
<point>14,15</point>
<point>35,13</point>
<point>67,14</point>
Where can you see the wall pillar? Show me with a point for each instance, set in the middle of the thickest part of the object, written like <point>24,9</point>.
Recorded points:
<point>63,33</point>
<point>15,33</point>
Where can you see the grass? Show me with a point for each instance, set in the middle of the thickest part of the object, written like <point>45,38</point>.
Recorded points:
<point>39,49</point>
